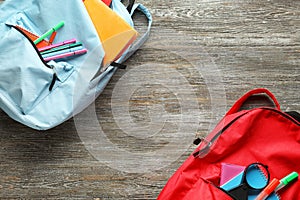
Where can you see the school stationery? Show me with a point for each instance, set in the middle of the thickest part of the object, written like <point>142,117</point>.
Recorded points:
<point>57,45</point>
<point>43,94</point>
<point>72,49</point>
<point>272,196</point>
<point>115,34</point>
<point>49,32</point>
<point>260,134</point>
<point>228,171</point>
<point>52,37</point>
<point>249,186</point>
<point>254,177</point>
<point>32,36</point>
<point>268,189</point>
<point>233,182</point>
<point>66,55</point>
<point>62,47</point>
<point>287,180</point>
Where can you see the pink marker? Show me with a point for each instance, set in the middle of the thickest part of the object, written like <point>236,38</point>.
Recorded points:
<point>64,55</point>
<point>57,45</point>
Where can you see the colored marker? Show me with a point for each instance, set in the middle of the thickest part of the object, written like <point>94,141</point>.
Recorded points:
<point>268,190</point>
<point>52,37</point>
<point>55,53</point>
<point>65,55</point>
<point>60,48</point>
<point>286,180</point>
<point>57,45</point>
<point>49,32</point>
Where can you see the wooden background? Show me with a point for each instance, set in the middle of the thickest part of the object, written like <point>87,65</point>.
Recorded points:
<point>209,51</point>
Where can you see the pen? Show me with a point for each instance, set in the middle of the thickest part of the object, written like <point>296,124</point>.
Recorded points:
<point>57,45</point>
<point>79,52</point>
<point>49,32</point>
<point>268,190</point>
<point>286,180</point>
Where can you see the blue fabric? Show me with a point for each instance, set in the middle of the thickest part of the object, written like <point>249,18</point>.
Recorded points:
<point>25,79</point>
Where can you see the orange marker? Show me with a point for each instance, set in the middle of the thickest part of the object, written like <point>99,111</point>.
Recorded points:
<point>52,37</point>
<point>268,190</point>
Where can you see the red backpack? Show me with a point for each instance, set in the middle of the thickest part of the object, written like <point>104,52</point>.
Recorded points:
<point>260,135</point>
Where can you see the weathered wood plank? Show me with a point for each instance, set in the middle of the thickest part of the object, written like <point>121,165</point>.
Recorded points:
<point>204,53</point>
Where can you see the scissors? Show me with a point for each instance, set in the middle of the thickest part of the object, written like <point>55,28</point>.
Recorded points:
<point>255,178</point>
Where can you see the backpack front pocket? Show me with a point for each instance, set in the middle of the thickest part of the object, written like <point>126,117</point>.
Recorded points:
<point>25,79</point>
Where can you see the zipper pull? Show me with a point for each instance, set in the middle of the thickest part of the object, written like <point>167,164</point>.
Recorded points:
<point>197,141</point>
<point>53,82</point>
<point>205,149</point>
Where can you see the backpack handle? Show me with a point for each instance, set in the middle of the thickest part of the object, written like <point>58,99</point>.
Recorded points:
<point>130,5</point>
<point>236,107</point>
<point>139,42</point>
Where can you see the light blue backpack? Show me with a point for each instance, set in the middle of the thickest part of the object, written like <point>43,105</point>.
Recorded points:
<point>42,95</point>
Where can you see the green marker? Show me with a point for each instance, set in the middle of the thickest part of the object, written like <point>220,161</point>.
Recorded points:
<point>48,33</point>
<point>67,46</point>
<point>286,180</point>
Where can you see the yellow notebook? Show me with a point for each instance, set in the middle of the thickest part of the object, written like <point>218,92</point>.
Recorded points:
<point>115,33</point>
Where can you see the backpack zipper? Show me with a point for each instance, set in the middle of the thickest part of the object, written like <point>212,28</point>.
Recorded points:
<point>206,149</point>
<point>202,152</point>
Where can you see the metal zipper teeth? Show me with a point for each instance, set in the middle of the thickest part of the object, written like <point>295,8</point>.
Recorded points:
<point>285,115</point>
<point>216,136</point>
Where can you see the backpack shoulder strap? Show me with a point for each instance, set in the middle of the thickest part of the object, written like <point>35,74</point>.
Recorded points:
<point>140,41</point>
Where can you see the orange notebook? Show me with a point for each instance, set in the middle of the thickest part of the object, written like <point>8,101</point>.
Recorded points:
<point>114,32</point>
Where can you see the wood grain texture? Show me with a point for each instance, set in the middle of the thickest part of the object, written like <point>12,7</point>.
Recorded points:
<point>205,53</point>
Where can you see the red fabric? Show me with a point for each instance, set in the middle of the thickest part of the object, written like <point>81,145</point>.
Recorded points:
<point>264,135</point>
<point>107,2</point>
<point>235,108</point>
